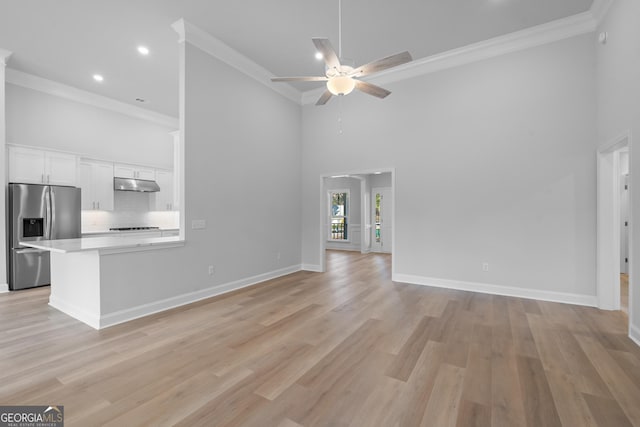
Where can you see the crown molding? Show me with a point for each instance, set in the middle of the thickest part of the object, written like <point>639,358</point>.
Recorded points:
<point>50,87</point>
<point>4,57</point>
<point>575,25</point>
<point>520,40</point>
<point>599,9</point>
<point>188,32</point>
<point>179,27</point>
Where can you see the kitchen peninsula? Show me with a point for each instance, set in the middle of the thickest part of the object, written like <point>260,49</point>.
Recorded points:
<point>87,273</point>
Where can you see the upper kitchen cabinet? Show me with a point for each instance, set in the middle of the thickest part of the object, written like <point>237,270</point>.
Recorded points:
<point>165,198</point>
<point>33,166</point>
<point>137,172</point>
<point>96,181</point>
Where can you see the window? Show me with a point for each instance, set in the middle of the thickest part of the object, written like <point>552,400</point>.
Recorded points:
<point>338,215</point>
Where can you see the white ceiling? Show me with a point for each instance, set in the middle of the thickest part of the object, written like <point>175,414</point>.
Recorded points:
<point>69,40</point>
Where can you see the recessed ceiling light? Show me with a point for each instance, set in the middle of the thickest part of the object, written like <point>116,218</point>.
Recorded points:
<point>143,50</point>
<point>98,77</point>
<point>319,56</point>
<point>377,173</point>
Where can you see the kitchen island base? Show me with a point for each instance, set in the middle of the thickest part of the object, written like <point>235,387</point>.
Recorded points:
<point>103,281</point>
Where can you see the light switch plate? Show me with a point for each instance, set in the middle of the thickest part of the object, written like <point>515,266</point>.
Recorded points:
<point>198,224</point>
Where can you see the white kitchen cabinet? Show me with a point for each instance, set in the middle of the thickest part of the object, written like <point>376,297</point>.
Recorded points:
<point>132,171</point>
<point>61,169</point>
<point>164,199</point>
<point>33,166</point>
<point>148,174</point>
<point>144,234</point>
<point>96,181</point>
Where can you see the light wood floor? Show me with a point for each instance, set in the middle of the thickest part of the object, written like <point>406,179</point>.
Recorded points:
<point>347,347</point>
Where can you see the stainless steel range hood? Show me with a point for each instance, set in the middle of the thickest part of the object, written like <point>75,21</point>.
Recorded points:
<point>132,184</point>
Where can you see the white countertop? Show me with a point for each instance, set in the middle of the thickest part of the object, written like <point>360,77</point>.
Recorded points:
<point>98,243</point>
<point>88,233</point>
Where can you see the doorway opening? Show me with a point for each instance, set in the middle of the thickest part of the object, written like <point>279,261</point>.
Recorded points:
<point>614,268</point>
<point>357,213</point>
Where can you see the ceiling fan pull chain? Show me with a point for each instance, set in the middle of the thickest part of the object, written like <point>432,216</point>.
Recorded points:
<point>340,115</point>
<point>340,29</point>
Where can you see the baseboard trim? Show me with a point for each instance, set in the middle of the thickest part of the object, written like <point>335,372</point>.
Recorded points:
<point>509,291</point>
<point>126,315</point>
<point>634,333</point>
<point>351,248</point>
<point>75,312</point>
<point>4,288</point>
<point>312,267</point>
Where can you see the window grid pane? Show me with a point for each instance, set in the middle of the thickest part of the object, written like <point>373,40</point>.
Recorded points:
<point>338,227</point>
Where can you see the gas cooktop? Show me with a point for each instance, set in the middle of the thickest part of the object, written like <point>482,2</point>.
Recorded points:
<point>133,228</point>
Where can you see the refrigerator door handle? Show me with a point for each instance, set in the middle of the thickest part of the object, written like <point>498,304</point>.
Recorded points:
<point>52,214</point>
<point>47,219</point>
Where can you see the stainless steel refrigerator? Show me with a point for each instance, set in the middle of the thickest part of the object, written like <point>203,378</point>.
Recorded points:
<point>38,212</point>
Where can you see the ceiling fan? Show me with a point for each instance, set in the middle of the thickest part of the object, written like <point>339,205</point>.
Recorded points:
<point>342,79</point>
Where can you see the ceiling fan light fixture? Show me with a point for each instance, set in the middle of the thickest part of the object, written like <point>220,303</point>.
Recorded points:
<point>341,85</point>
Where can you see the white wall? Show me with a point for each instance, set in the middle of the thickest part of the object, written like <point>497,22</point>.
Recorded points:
<point>624,212</point>
<point>355,217</point>
<point>366,217</point>
<point>618,88</point>
<point>38,119</point>
<point>242,169</point>
<point>494,163</point>
<point>3,181</point>
<point>382,180</point>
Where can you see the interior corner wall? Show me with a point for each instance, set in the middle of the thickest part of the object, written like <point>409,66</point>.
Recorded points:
<point>494,163</point>
<point>618,84</point>
<point>43,120</point>
<point>3,184</point>
<point>242,172</point>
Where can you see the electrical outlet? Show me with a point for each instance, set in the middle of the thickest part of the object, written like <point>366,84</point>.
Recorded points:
<point>485,266</point>
<point>198,224</point>
<point>212,270</point>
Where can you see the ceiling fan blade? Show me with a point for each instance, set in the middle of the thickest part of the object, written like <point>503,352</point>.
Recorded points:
<point>326,96</point>
<point>328,53</point>
<point>299,79</point>
<point>371,89</point>
<point>382,64</point>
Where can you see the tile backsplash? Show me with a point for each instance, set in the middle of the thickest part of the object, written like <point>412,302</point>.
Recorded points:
<point>130,210</point>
